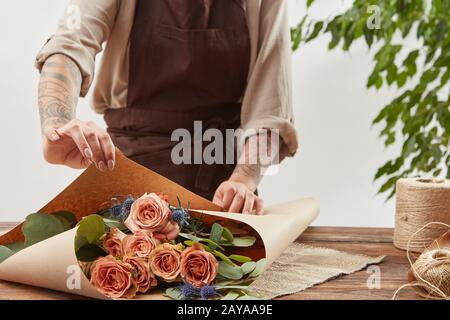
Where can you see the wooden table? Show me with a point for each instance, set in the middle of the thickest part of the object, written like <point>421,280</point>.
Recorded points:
<point>369,241</point>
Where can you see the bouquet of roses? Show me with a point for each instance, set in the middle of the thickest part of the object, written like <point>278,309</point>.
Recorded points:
<point>141,245</point>
<point>86,241</point>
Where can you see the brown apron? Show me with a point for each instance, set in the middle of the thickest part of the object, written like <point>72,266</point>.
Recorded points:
<point>189,61</point>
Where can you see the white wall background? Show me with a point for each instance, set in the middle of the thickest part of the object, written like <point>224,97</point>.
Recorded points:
<point>339,151</point>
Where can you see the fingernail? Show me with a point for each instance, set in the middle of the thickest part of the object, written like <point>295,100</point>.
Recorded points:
<point>88,153</point>
<point>111,165</point>
<point>101,166</point>
<point>54,137</point>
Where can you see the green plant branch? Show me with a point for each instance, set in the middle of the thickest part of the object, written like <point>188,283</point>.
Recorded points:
<point>419,117</point>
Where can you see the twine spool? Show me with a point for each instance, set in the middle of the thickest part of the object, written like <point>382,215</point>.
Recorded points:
<point>431,269</point>
<point>419,202</point>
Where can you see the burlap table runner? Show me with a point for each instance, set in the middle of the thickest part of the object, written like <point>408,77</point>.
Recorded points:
<point>302,266</point>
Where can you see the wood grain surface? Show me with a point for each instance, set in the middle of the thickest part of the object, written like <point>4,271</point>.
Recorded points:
<point>369,241</point>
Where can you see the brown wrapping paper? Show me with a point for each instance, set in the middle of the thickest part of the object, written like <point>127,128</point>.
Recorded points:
<point>52,263</point>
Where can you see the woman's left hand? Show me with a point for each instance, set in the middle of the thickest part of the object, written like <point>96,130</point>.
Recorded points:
<point>234,196</point>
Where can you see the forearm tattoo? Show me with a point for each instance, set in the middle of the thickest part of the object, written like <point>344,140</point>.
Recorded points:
<point>59,89</point>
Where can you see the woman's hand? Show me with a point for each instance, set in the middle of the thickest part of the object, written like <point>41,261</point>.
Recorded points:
<point>237,196</point>
<point>77,144</point>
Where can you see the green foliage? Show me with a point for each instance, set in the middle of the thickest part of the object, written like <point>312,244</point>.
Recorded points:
<point>5,253</point>
<point>40,226</point>
<point>419,117</point>
<point>174,293</point>
<point>90,230</point>
<point>229,271</point>
<point>15,246</point>
<point>239,258</point>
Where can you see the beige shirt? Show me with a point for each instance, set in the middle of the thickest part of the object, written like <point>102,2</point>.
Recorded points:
<point>267,102</point>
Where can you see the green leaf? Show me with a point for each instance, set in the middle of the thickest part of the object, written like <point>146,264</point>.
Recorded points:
<point>114,224</point>
<point>223,257</point>
<point>259,268</point>
<point>174,293</point>
<point>210,243</point>
<point>227,235</point>
<point>316,29</point>
<point>15,246</point>
<point>68,219</point>
<point>90,252</point>
<point>5,253</point>
<point>248,267</point>
<point>229,271</point>
<point>309,3</point>
<point>248,297</point>
<point>91,228</point>
<point>80,241</point>
<point>236,287</point>
<point>39,226</point>
<point>239,258</point>
<point>216,233</point>
<point>231,295</point>
<point>190,237</point>
<point>246,241</point>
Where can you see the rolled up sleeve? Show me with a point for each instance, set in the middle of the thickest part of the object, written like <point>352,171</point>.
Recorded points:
<point>267,102</point>
<point>81,32</point>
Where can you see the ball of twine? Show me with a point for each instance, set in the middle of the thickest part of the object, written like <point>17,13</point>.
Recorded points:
<point>434,268</point>
<point>431,269</point>
<point>420,201</point>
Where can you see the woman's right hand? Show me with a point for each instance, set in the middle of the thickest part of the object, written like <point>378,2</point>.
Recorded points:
<point>77,144</point>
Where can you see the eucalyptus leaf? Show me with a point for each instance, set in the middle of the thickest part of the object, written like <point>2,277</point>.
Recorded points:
<point>90,252</point>
<point>259,268</point>
<point>246,241</point>
<point>15,246</point>
<point>229,271</point>
<point>223,257</point>
<point>248,297</point>
<point>114,224</point>
<point>189,236</point>
<point>39,226</point>
<point>174,293</point>
<point>5,253</point>
<point>68,219</point>
<point>216,233</point>
<point>239,258</point>
<point>91,228</point>
<point>232,287</point>
<point>231,295</point>
<point>211,243</point>
<point>248,267</point>
<point>227,235</point>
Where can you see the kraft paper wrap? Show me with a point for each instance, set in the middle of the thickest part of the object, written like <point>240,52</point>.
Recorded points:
<point>49,263</point>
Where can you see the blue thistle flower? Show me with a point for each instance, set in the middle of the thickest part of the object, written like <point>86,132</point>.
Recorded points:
<point>121,211</point>
<point>189,291</point>
<point>115,211</point>
<point>207,292</point>
<point>126,207</point>
<point>180,216</point>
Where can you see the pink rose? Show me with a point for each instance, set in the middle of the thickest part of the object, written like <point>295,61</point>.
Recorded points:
<point>113,278</point>
<point>113,242</point>
<point>152,214</point>
<point>139,244</point>
<point>198,266</point>
<point>164,261</point>
<point>142,275</point>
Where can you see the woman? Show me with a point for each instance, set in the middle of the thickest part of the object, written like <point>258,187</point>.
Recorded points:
<point>166,65</point>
